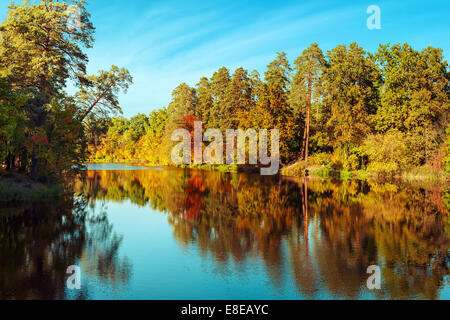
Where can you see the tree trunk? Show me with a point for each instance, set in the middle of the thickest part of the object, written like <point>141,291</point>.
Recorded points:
<point>34,166</point>
<point>302,152</point>
<point>23,161</point>
<point>305,147</point>
<point>8,162</point>
<point>308,120</point>
<point>95,102</point>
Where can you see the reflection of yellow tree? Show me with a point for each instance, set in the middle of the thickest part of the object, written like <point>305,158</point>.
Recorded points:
<point>333,230</point>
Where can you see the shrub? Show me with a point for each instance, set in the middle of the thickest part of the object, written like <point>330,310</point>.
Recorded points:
<point>297,169</point>
<point>386,152</point>
<point>320,159</point>
<point>348,160</point>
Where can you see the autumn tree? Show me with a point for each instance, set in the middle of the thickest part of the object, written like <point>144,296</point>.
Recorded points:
<point>384,112</point>
<point>254,115</point>
<point>184,103</point>
<point>151,144</point>
<point>95,129</point>
<point>42,50</point>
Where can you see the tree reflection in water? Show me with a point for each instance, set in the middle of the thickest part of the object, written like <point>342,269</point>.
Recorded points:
<point>38,241</point>
<point>327,233</point>
<point>321,234</point>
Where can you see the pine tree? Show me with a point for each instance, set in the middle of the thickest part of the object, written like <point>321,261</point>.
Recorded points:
<point>205,101</point>
<point>309,68</point>
<point>219,85</point>
<point>238,98</point>
<point>274,98</point>
<point>351,90</point>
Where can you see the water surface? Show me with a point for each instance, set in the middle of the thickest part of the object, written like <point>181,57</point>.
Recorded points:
<point>140,233</point>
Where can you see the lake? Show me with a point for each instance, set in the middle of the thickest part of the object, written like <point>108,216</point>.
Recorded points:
<point>139,233</point>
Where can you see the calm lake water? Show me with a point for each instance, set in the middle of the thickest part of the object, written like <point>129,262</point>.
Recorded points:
<point>143,233</point>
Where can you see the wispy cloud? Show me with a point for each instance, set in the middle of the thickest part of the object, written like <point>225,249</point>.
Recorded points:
<point>164,43</point>
<point>163,48</point>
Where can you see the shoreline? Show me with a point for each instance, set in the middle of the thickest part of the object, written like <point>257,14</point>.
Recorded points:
<point>420,175</point>
<point>16,187</point>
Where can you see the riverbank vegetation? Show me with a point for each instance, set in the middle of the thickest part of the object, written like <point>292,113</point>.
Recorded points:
<point>42,52</point>
<point>347,113</point>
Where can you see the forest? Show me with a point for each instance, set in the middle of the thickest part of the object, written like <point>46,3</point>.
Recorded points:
<point>346,109</point>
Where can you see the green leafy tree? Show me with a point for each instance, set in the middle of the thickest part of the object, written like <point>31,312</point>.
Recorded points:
<point>184,102</point>
<point>219,86</point>
<point>414,97</point>
<point>238,98</point>
<point>205,101</point>
<point>139,124</point>
<point>351,92</point>
<point>40,48</point>
<point>12,130</point>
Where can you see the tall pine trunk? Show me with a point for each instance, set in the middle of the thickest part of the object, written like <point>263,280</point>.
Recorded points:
<point>305,147</point>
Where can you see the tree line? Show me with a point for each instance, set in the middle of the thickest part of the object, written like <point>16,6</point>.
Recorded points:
<point>348,108</point>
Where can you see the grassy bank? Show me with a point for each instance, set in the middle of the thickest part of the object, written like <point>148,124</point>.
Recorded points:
<point>209,167</point>
<point>18,187</point>
<point>423,174</point>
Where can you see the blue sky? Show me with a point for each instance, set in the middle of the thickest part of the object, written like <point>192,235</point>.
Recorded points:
<point>165,43</point>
